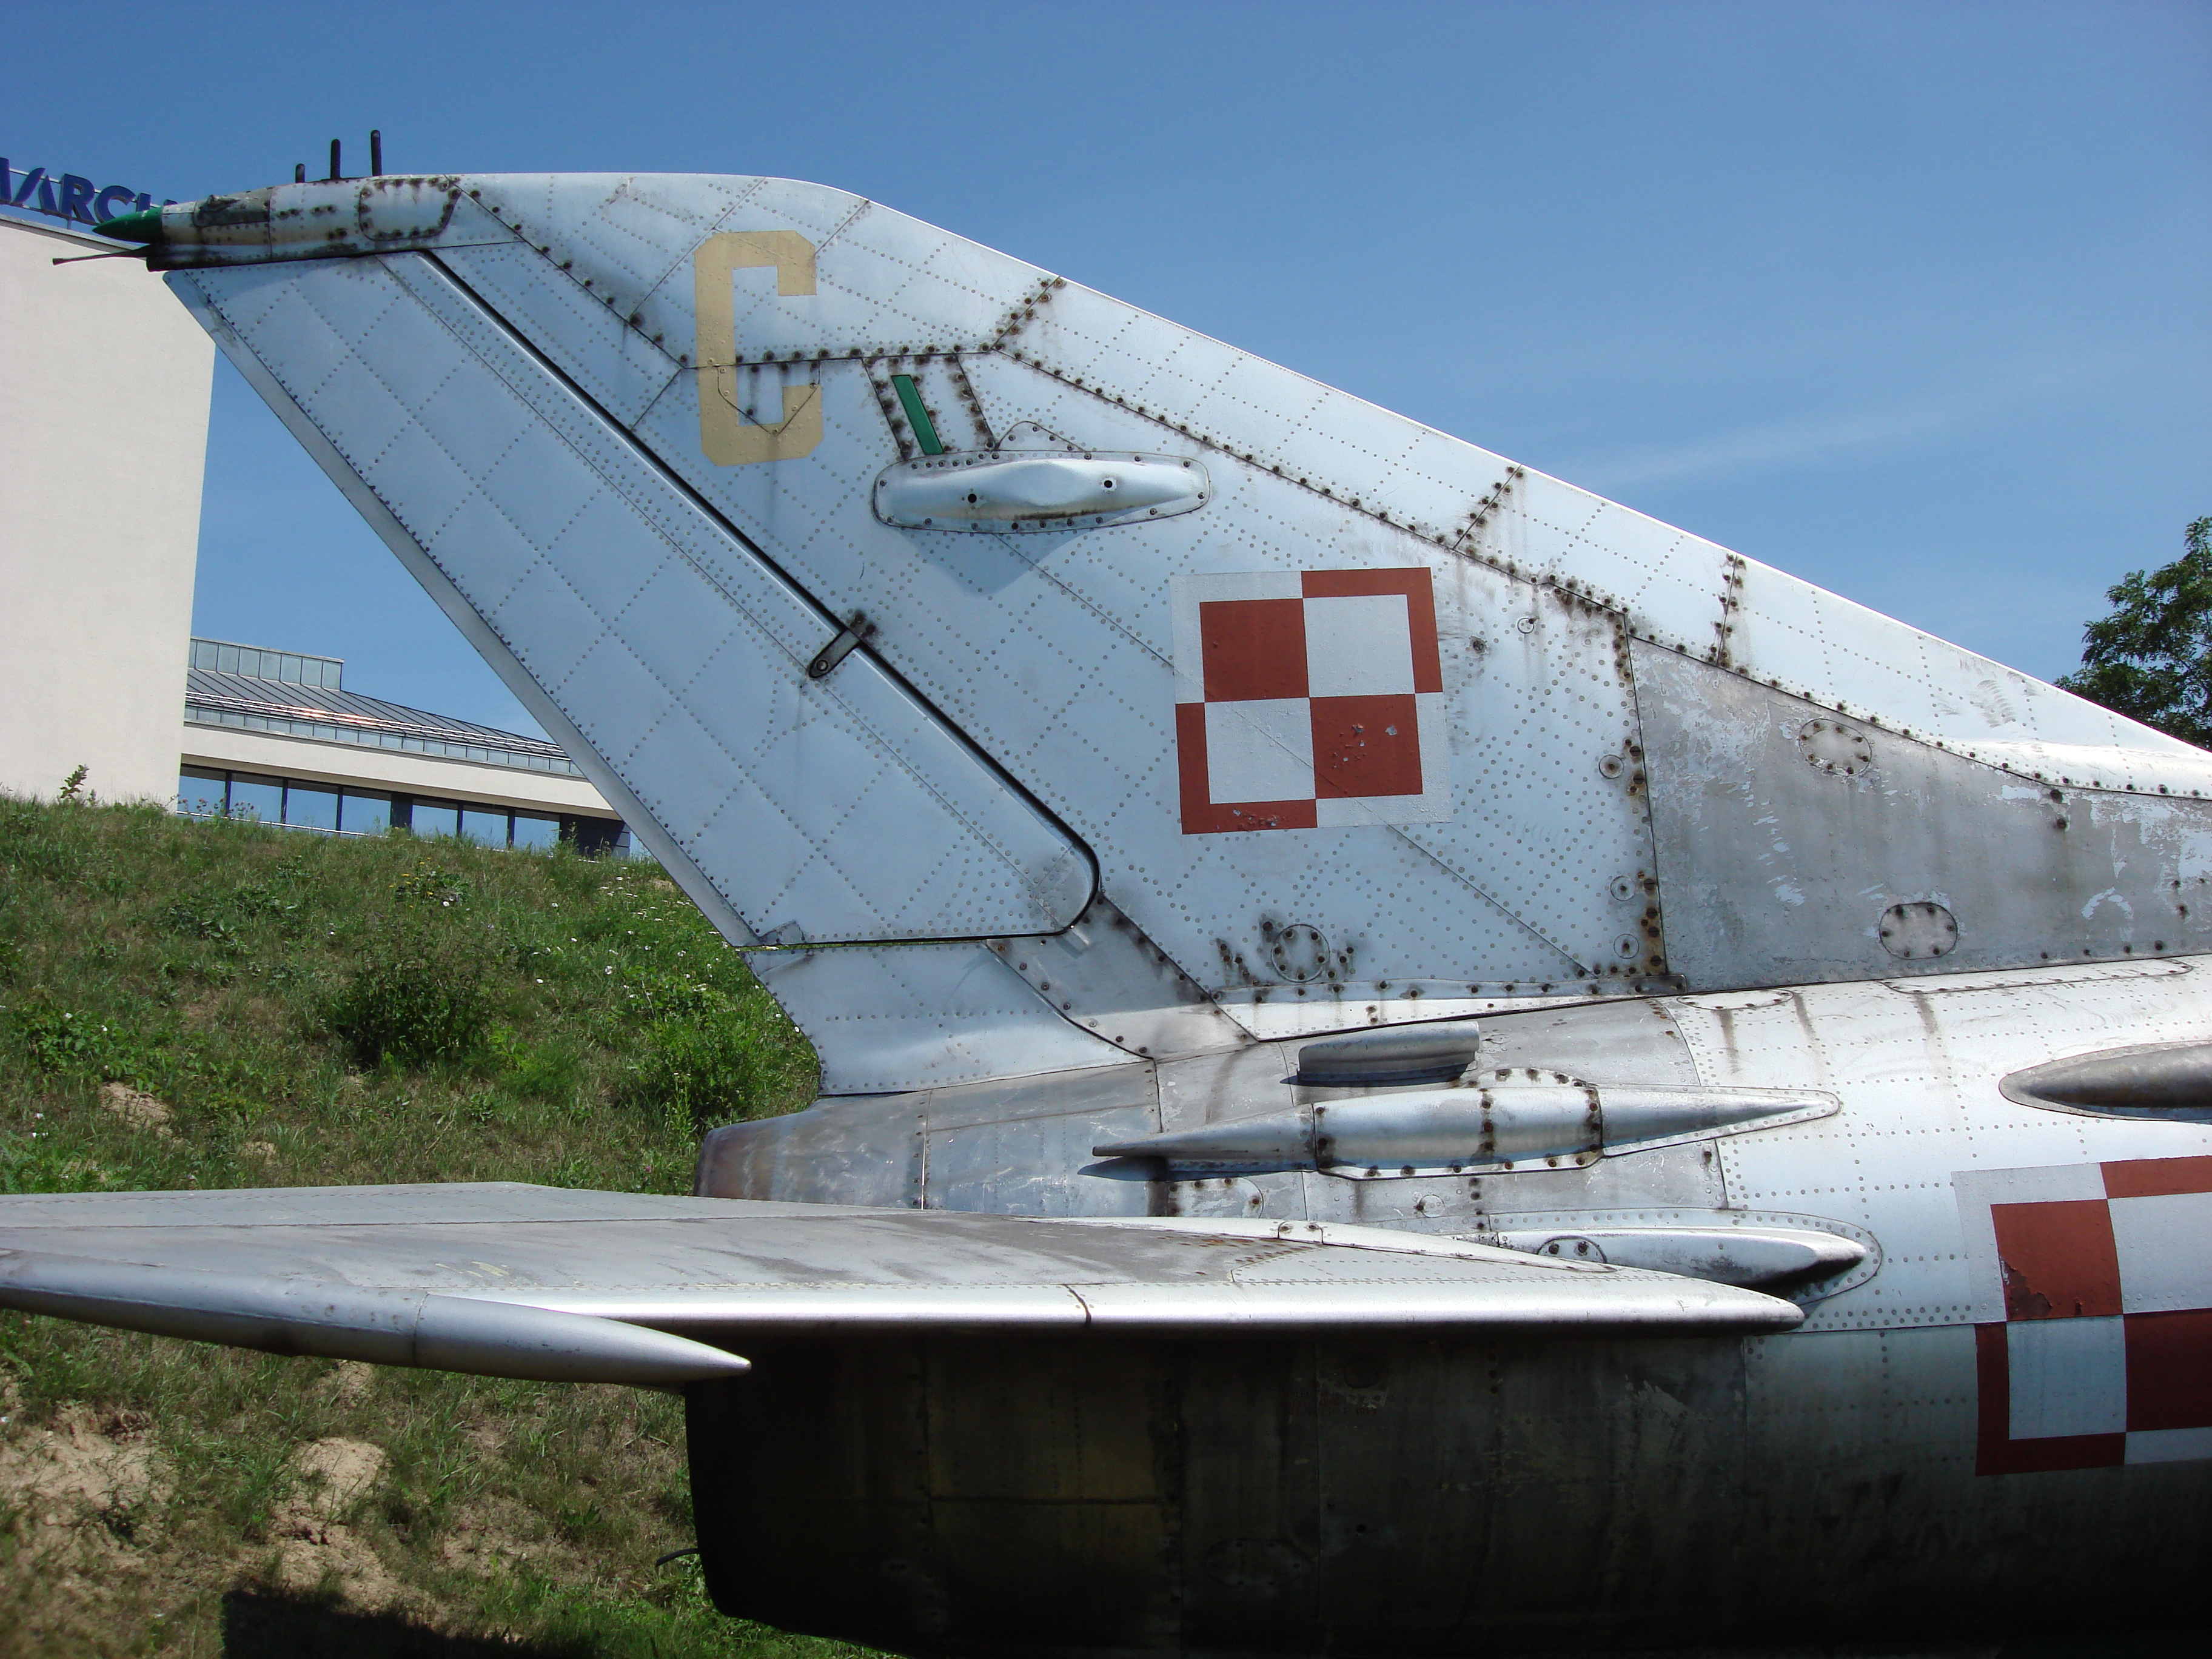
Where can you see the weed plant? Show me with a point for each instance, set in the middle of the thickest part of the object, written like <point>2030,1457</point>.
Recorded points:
<point>221,1003</point>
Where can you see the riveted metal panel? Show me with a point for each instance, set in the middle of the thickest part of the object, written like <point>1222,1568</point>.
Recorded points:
<point>1819,645</point>
<point>842,805</point>
<point>907,1016</point>
<point>619,367</point>
<point>1917,1062</point>
<point>1778,865</point>
<point>1075,697</point>
<point>929,617</point>
<point>864,1151</point>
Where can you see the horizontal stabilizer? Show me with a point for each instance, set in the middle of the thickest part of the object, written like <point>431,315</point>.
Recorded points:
<point>499,1279</point>
<point>345,1322</point>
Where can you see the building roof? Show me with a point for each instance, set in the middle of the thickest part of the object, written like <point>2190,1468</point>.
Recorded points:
<point>329,714</point>
<point>260,662</point>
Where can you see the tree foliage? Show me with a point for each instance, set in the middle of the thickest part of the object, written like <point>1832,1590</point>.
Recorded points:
<point>2151,658</point>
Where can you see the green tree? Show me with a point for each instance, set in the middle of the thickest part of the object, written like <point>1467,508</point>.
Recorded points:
<point>2151,658</point>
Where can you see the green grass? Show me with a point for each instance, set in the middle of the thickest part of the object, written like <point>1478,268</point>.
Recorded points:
<point>309,1011</point>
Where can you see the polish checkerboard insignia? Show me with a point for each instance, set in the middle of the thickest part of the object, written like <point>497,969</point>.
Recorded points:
<point>2094,1313</point>
<point>1308,699</point>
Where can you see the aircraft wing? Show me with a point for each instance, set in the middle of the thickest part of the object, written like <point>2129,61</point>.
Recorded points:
<point>508,1279</point>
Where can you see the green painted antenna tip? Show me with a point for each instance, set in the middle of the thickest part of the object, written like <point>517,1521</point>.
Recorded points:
<point>134,226</point>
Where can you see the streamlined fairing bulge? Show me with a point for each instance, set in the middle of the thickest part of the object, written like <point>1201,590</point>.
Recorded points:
<point>1413,1062</point>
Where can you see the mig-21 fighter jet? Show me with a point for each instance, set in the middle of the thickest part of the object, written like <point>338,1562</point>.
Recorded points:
<point>1413,1062</point>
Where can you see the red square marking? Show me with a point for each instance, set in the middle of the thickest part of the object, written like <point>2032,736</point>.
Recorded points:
<point>2157,1177</point>
<point>1254,648</point>
<point>2170,1369</point>
<point>2058,1259</point>
<point>1366,746</point>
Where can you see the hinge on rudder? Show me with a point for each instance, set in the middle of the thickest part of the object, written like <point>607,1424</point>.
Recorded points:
<point>857,629</point>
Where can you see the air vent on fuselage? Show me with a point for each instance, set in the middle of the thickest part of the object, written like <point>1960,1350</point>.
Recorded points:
<point>1397,1053</point>
<point>2167,1080</point>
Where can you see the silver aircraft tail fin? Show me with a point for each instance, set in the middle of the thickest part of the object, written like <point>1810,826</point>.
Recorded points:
<point>1046,685</point>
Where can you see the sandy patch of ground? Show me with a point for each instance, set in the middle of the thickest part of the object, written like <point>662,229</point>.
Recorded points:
<point>76,1498</point>
<point>85,1464</point>
<point>136,1107</point>
<point>79,1495</point>
<point>350,1382</point>
<point>314,1544</point>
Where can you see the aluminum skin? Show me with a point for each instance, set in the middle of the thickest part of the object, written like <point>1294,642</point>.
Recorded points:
<point>1620,696</point>
<point>1831,1483</point>
<point>1774,1198</point>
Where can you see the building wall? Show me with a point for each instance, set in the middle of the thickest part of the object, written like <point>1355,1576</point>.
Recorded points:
<point>104,387</point>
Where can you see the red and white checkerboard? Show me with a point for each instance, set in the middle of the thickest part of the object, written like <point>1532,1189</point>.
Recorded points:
<point>1308,699</point>
<point>2092,1285</point>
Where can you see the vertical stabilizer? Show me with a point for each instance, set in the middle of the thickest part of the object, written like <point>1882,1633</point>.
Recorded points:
<point>930,605</point>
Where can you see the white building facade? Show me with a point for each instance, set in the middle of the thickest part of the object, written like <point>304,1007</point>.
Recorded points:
<point>104,382</point>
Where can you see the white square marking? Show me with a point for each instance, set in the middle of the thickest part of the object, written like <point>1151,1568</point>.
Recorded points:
<point>1260,751</point>
<point>1359,645</point>
<point>2163,1244</point>
<point>2068,1377</point>
<point>2169,1445</point>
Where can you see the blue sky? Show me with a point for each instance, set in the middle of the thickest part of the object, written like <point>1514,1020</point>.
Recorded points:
<point>1909,299</point>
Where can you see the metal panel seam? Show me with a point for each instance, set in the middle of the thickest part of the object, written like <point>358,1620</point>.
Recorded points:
<point>830,621</point>
<point>644,510</point>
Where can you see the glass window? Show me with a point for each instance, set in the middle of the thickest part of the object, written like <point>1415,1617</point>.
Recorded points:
<point>436,817</point>
<point>532,831</point>
<point>484,825</point>
<point>594,837</point>
<point>200,792</point>
<point>310,806</point>
<point>257,798</point>
<point>361,814</point>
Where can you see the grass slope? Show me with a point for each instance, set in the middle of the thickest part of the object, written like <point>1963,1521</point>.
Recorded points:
<point>224,1005</point>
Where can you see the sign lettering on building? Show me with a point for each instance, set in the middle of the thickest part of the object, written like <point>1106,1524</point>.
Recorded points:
<point>68,195</point>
